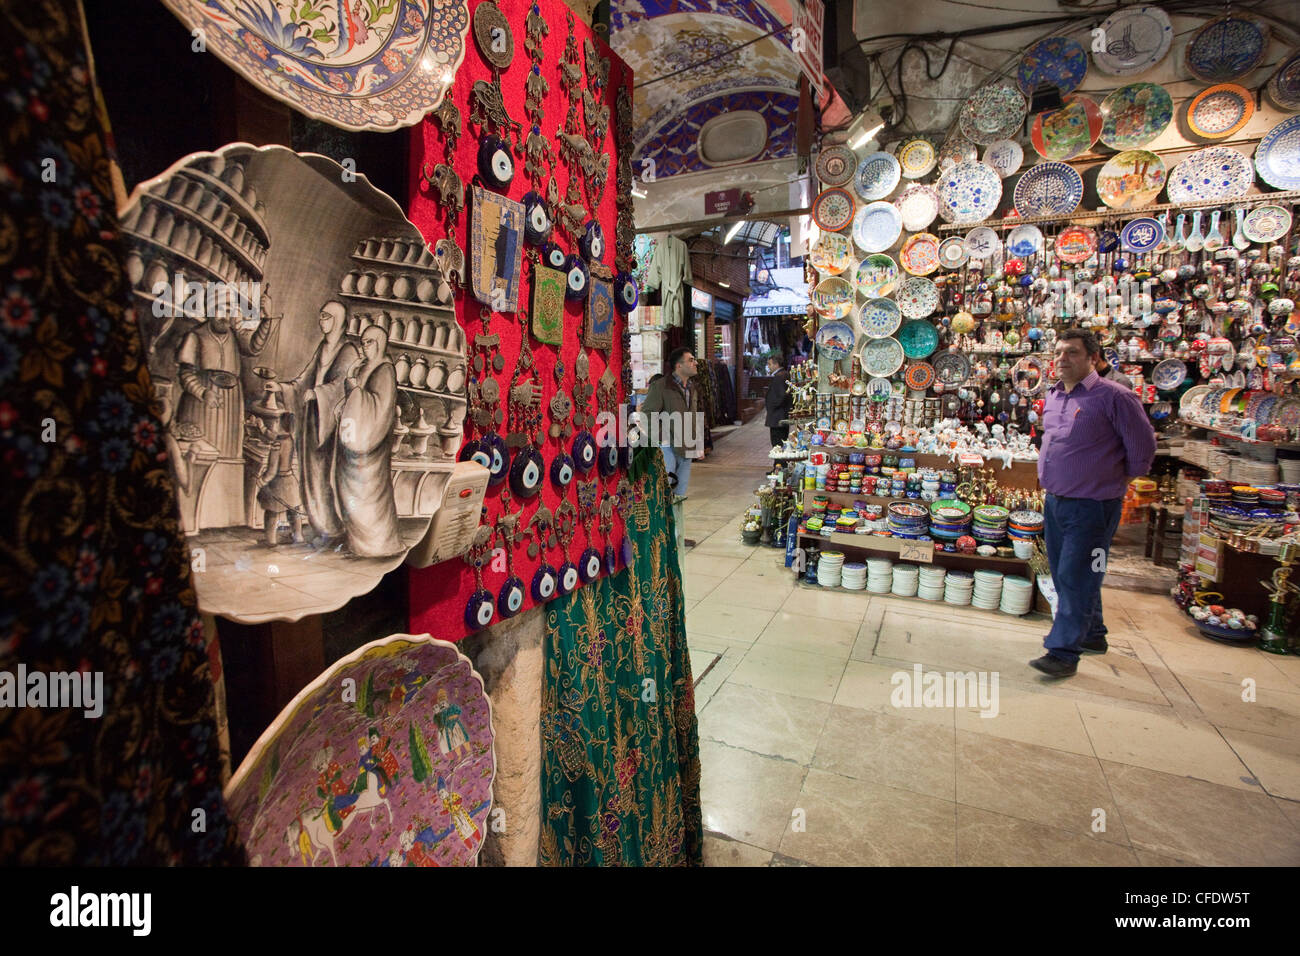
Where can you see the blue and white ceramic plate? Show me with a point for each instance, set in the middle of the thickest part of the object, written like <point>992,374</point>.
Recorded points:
<point>1283,88</point>
<point>983,243</point>
<point>1213,173</point>
<point>1006,156</point>
<point>1169,374</point>
<point>969,192</point>
<point>918,297</point>
<point>992,113</point>
<point>879,318</point>
<point>1142,235</point>
<point>1133,40</point>
<point>1049,189</point>
<point>835,339</point>
<point>1226,48</point>
<point>877,226</point>
<point>1278,156</point>
<point>877,176</point>
<point>1025,241</point>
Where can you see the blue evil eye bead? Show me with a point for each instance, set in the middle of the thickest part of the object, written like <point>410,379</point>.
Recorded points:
<point>607,460</point>
<point>537,221</point>
<point>576,277</point>
<point>545,583</point>
<point>562,470</point>
<point>493,446</point>
<point>592,242</point>
<point>553,256</point>
<point>584,452</point>
<point>479,610</point>
<point>611,559</point>
<point>626,293</point>
<point>526,473</point>
<point>569,577</point>
<point>1107,240</point>
<point>589,565</point>
<point>475,452</point>
<point>511,599</point>
<point>495,163</point>
<point>626,548</point>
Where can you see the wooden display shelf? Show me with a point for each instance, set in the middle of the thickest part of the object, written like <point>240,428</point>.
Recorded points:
<point>1237,436</point>
<point>1022,475</point>
<point>901,546</point>
<point>402,305</point>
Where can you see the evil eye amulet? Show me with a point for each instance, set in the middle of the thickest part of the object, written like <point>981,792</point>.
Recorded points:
<point>511,599</point>
<point>545,583</point>
<point>537,221</point>
<point>584,452</point>
<point>589,565</point>
<point>553,256</point>
<point>475,452</point>
<point>562,470</point>
<point>526,473</point>
<point>495,163</point>
<point>576,278</point>
<point>569,577</point>
<point>479,610</point>
<point>592,242</point>
<point>626,294</point>
<point>607,460</point>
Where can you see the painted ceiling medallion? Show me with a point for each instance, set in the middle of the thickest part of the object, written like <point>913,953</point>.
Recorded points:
<point>374,68</point>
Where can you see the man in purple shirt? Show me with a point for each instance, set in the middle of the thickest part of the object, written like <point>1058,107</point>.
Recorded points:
<point>1096,437</point>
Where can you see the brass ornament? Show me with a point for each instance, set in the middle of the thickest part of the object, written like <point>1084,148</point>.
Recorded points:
<point>492,34</point>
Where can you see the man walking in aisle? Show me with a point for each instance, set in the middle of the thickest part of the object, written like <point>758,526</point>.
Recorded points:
<point>673,393</point>
<point>778,400</point>
<point>1095,438</point>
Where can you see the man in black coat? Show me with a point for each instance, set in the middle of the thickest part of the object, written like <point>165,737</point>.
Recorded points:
<point>778,400</point>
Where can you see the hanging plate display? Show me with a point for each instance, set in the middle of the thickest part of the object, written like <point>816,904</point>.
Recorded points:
<point>1134,115</point>
<point>916,157</point>
<point>918,297</point>
<point>919,376</point>
<point>877,176</point>
<point>1075,244</point>
<point>877,227</point>
<point>969,192</point>
<point>835,339</point>
<point>920,254</point>
<point>917,206</point>
<point>1169,374</point>
<point>992,113</point>
<point>1133,40</point>
<point>403,780</point>
<point>879,318</point>
<point>1049,189</point>
<point>1220,111</point>
<point>877,275</point>
<point>1213,173</point>
<point>918,338</point>
<point>1131,179</point>
<point>953,253</point>
<point>1278,155</point>
<point>832,254</point>
<point>880,358</point>
<point>957,149</point>
<point>1025,241</point>
<point>836,165</point>
<point>1056,61</point>
<point>1267,223</point>
<point>1226,48</point>
<point>1283,89</point>
<point>1005,156</point>
<point>983,243</point>
<point>1069,131</point>
<point>832,210</point>
<point>1142,235</point>
<point>833,298</point>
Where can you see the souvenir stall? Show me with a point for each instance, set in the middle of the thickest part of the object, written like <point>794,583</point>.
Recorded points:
<point>946,264</point>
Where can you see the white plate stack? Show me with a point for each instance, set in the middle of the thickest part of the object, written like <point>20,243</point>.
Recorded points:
<point>854,576</point>
<point>1017,595</point>
<point>958,587</point>
<point>880,575</point>
<point>988,589</point>
<point>905,580</point>
<point>1290,470</point>
<point>830,568</point>
<point>930,583</point>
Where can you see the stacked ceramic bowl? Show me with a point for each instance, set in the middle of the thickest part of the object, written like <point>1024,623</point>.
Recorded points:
<point>949,519</point>
<point>958,587</point>
<point>830,568</point>
<point>880,575</point>
<point>908,519</point>
<point>1024,528</point>
<point>988,589</point>
<point>854,576</point>
<point>990,524</point>
<point>1017,595</point>
<point>930,582</point>
<point>905,580</point>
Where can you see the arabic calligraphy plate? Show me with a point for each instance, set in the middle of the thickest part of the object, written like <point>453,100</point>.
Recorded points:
<point>1220,111</point>
<point>1049,189</point>
<point>983,243</point>
<point>880,358</point>
<point>917,157</point>
<point>1067,132</point>
<point>832,254</point>
<point>1134,40</point>
<point>1131,179</point>
<point>920,254</point>
<point>1226,48</point>
<point>953,253</point>
<point>1006,156</point>
<point>833,298</point>
<point>877,226</point>
<point>1058,61</point>
<point>877,275</point>
<point>836,165</point>
<point>1278,155</point>
<point>992,113</point>
<point>877,176</point>
<point>1283,88</point>
<point>835,339</point>
<point>919,338</point>
<point>1024,241</point>
<point>1135,115</point>
<point>1216,172</point>
<point>1142,235</point>
<point>1266,223</point>
<point>833,208</point>
<point>917,206</point>
<point>918,297</point>
<point>879,318</point>
<point>1075,244</point>
<point>969,192</point>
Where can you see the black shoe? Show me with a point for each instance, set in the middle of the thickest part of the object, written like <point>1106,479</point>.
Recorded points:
<point>1095,646</point>
<point>1053,666</point>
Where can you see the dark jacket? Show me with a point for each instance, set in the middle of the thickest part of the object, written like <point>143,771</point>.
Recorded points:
<point>665,395</point>
<point>778,400</point>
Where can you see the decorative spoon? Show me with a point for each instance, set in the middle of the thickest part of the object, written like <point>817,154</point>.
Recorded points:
<point>1166,244</point>
<point>1194,242</point>
<point>1239,237</point>
<point>1213,238</point>
<point>1180,241</point>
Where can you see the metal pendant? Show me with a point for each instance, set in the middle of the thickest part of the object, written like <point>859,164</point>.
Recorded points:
<point>492,35</point>
<point>479,610</point>
<point>511,598</point>
<point>545,583</point>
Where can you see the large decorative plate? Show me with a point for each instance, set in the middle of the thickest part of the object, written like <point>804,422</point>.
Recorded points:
<point>1075,244</point>
<point>951,367</point>
<point>1226,48</point>
<point>917,206</point>
<point>953,253</point>
<point>1267,223</point>
<point>969,192</point>
<point>1283,89</point>
<point>835,339</point>
<point>1220,111</point>
<point>397,771</point>
<point>918,297</point>
<point>1169,374</point>
<point>1278,155</point>
<point>957,149</point>
<point>1131,179</point>
<point>1056,61</point>
<point>1142,235</point>
<point>983,243</point>
<point>919,376</point>
<point>832,254</point>
<point>879,318</point>
<point>833,209</point>
<point>880,358</point>
<point>1135,115</point>
<point>918,338</point>
<point>1006,156</point>
<point>1133,40</point>
<point>833,297</point>
<point>1049,189</point>
<point>992,113</point>
<point>379,67</point>
<point>920,254</point>
<point>877,226</point>
<point>877,176</point>
<point>1066,132</point>
<point>877,275</point>
<point>917,157</point>
<point>1025,241</point>
<point>836,165</point>
<point>1213,173</point>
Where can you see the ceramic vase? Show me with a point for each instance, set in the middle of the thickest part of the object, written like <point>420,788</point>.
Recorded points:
<point>425,290</point>
<point>372,248</point>
<point>395,331</point>
<point>426,335</point>
<point>384,285</point>
<point>437,377</point>
<point>366,283</point>
<point>402,287</point>
<point>402,367</point>
<point>419,372</point>
<point>349,283</point>
<point>398,252</point>
<point>456,380</point>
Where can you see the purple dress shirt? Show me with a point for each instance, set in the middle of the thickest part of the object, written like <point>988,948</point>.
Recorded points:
<point>1095,438</point>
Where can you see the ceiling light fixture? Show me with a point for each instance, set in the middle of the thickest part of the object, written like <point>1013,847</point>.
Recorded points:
<point>866,125</point>
<point>733,231</point>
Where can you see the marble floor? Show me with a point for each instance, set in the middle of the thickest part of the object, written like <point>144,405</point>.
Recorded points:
<point>1169,750</point>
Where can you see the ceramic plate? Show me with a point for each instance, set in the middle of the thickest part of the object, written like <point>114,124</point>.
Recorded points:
<point>1278,155</point>
<point>920,254</point>
<point>880,358</point>
<point>877,227</point>
<point>957,149</point>
<point>1025,241</point>
<point>1005,156</point>
<point>1067,132</point>
<point>1075,244</point>
<point>918,338</point>
<point>1049,189</point>
<point>833,209</point>
<point>1168,375</point>
<point>1283,88</point>
<point>1191,399</point>
<point>953,253</point>
<point>879,389</point>
<point>1056,61</point>
<point>1142,235</point>
<point>399,774</point>
<point>917,157</point>
<point>918,297</point>
<point>1213,173</point>
<point>1132,41</point>
<point>951,367</point>
<point>983,243</point>
<point>832,254</point>
<point>836,165</point>
<point>877,275</point>
<point>1131,179</point>
<point>992,113</point>
<point>833,298</point>
<point>969,192</point>
<point>877,176</point>
<point>1220,111</point>
<point>917,206</point>
<point>835,339</point>
<point>879,318</point>
<point>1267,223</point>
<point>382,67</point>
<point>1226,48</point>
<point>1134,115</point>
<point>919,376</point>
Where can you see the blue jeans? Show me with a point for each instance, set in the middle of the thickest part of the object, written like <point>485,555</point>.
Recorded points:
<point>1078,533</point>
<point>681,467</point>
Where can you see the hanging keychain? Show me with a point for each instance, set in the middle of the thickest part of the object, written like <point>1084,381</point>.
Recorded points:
<point>588,497</point>
<point>606,529</point>
<point>510,599</point>
<point>546,579</point>
<point>480,608</point>
<point>566,526</point>
<point>525,398</point>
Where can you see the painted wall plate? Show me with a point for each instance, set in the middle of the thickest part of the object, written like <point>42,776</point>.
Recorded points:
<point>1134,115</point>
<point>836,166</point>
<point>969,192</point>
<point>983,243</point>
<point>1142,235</point>
<point>1131,179</point>
<point>1048,189</point>
<point>1006,156</point>
<point>918,338</point>
<point>1133,40</point>
<point>1277,158</point>
<point>876,176</point>
<point>1267,223</point>
<point>918,297</point>
<point>953,253</point>
<point>917,205</point>
<point>833,209</point>
<point>880,358</point>
<point>1283,87</point>
<point>1064,133</point>
<point>876,275</point>
<point>920,254</point>
<point>1226,48</point>
<point>916,157</point>
<point>832,254</point>
<point>1056,61</point>
<point>1221,110</point>
<point>1025,241</point>
<point>992,113</point>
<point>879,318</point>
<point>877,226</point>
<point>1216,172</point>
<point>835,339</point>
<point>1075,244</point>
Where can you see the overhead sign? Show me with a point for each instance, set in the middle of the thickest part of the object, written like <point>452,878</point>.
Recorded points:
<point>806,39</point>
<point>701,300</point>
<point>722,200</point>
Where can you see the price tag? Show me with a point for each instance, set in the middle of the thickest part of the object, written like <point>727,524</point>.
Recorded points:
<point>971,459</point>
<point>922,551</point>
